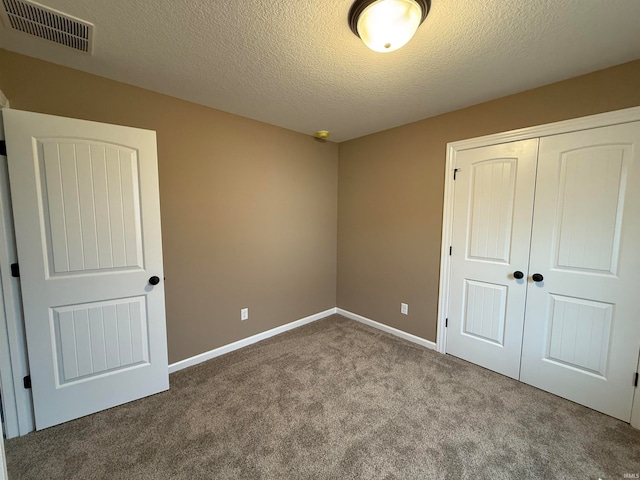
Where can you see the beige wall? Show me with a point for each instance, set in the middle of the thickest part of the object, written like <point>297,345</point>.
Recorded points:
<point>391,187</point>
<point>249,210</point>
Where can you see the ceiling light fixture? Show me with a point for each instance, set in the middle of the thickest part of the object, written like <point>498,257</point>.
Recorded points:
<point>387,25</point>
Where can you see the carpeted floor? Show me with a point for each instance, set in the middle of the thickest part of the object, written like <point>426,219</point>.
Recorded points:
<point>334,400</point>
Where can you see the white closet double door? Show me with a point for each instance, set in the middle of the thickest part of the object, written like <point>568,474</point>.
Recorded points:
<point>545,265</point>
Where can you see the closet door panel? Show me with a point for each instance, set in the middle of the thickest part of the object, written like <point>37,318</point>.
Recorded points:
<point>491,233</point>
<point>581,333</point>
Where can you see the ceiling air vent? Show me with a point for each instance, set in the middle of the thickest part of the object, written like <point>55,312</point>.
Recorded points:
<point>44,22</point>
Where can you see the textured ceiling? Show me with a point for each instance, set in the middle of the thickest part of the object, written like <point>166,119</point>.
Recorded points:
<point>296,64</point>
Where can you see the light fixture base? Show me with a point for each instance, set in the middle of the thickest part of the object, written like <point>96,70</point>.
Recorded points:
<point>359,5</point>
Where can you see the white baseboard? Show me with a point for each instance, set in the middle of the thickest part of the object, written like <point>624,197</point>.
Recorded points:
<point>385,328</point>
<point>216,352</point>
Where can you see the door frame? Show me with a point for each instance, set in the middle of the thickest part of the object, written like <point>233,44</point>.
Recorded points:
<point>16,400</point>
<point>566,126</point>
<point>3,458</point>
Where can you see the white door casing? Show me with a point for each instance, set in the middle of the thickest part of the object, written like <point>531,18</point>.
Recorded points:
<point>582,332</point>
<point>3,458</point>
<point>86,208</point>
<point>493,205</point>
<point>16,400</point>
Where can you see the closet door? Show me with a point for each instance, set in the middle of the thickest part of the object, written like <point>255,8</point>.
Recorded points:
<point>581,332</point>
<point>491,233</point>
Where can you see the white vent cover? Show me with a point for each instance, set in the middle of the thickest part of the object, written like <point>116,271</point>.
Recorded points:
<point>44,22</point>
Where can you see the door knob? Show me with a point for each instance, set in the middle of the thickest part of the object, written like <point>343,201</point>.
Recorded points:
<point>518,275</point>
<point>154,280</point>
<point>537,277</point>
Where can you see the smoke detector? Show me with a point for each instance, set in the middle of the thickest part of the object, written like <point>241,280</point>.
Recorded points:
<point>44,22</point>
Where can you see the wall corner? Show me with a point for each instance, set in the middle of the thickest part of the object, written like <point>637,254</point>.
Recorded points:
<point>4,101</point>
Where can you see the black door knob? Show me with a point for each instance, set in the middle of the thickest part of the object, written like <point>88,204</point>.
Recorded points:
<point>154,280</point>
<point>518,275</point>
<point>537,277</point>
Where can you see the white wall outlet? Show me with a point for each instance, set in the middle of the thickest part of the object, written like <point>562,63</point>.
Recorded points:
<point>404,309</point>
<point>244,314</point>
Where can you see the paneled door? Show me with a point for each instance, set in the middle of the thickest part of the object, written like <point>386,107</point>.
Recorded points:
<point>543,287</point>
<point>493,207</point>
<point>87,221</point>
<point>582,329</point>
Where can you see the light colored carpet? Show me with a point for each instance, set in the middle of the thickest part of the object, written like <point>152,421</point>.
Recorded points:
<point>334,400</point>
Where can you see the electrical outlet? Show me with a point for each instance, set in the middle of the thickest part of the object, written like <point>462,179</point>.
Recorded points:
<point>404,309</point>
<point>244,314</point>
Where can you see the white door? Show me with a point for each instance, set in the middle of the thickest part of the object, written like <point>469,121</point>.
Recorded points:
<point>582,330</point>
<point>493,208</point>
<point>87,222</point>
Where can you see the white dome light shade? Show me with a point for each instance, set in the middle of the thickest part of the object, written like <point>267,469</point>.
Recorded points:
<point>387,25</point>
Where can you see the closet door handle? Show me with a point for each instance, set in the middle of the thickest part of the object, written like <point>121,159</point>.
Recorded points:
<point>518,275</point>
<point>537,277</point>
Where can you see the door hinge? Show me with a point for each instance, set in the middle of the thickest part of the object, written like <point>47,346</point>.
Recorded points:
<point>446,322</point>
<point>15,270</point>
<point>26,381</point>
<point>450,250</point>
<point>455,172</point>
<point>635,380</point>
<point>3,147</point>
